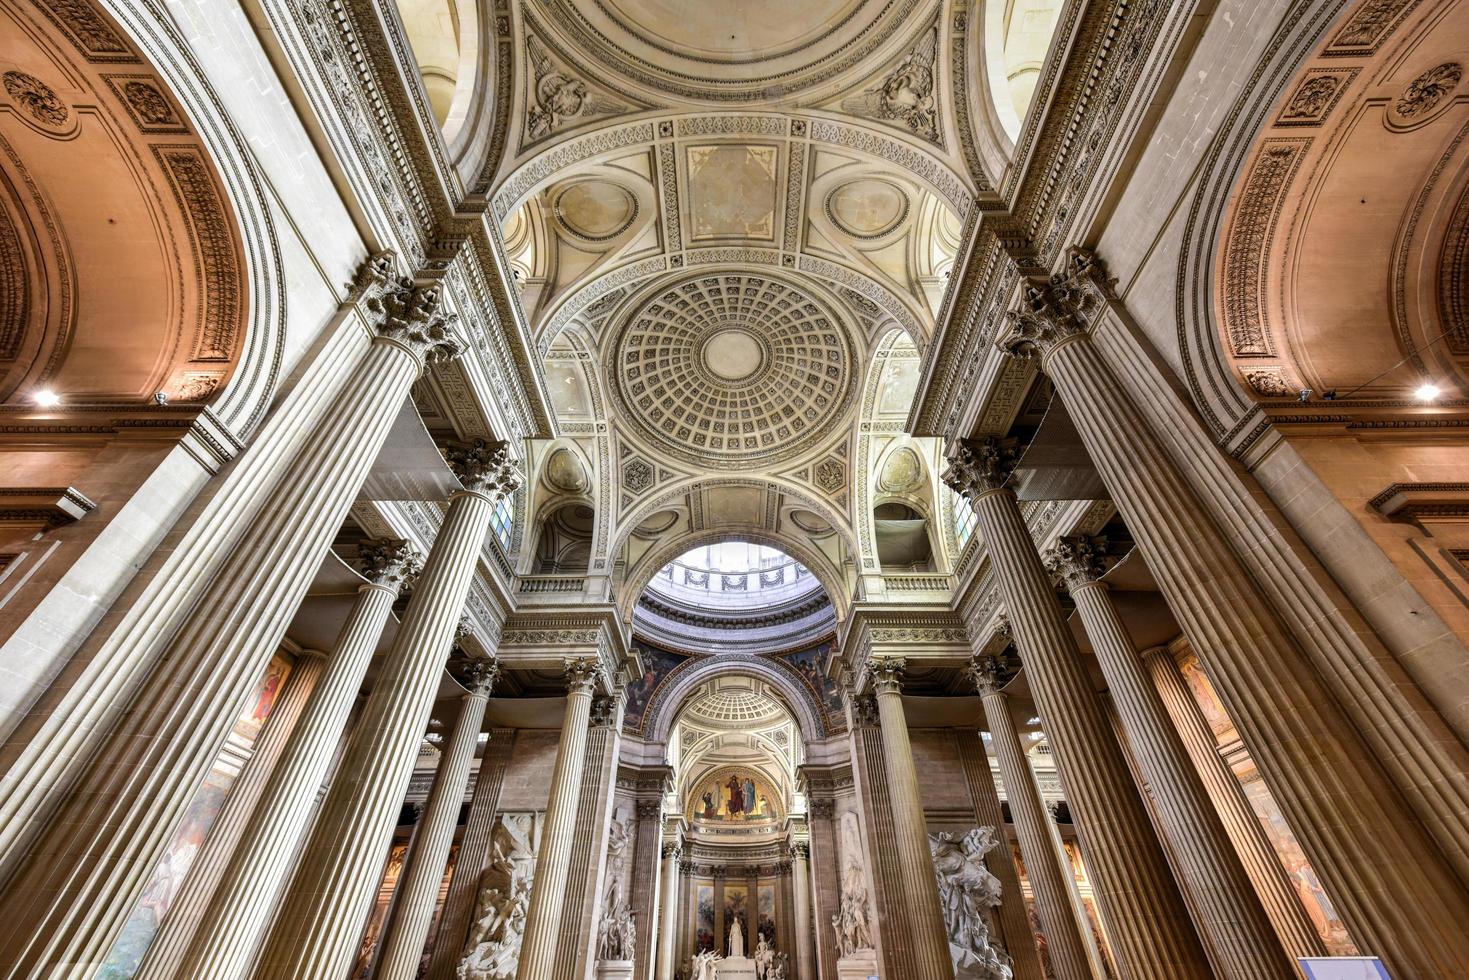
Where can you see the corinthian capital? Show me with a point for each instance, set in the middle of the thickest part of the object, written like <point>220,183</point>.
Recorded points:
<point>1066,305</point>
<point>581,675</point>
<point>1076,561</point>
<point>411,316</point>
<point>389,562</point>
<point>485,468</point>
<point>478,674</point>
<point>978,465</point>
<point>988,672</point>
<point>887,674</point>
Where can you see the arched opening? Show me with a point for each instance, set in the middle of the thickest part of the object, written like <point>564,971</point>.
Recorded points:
<point>1017,37</point>
<point>564,545</point>
<point>903,541</point>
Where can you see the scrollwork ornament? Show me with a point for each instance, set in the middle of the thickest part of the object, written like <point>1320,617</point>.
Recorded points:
<point>37,98</point>
<point>979,465</point>
<point>1426,91</point>
<point>1076,561</point>
<point>485,468</point>
<point>389,562</point>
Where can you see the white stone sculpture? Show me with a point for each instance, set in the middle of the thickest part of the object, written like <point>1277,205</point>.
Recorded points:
<point>492,951</point>
<point>704,966</point>
<point>852,921</point>
<point>736,941</point>
<point>617,933</point>
<point>967,892</point>
<point>764,957</point>
<point>779,967</point>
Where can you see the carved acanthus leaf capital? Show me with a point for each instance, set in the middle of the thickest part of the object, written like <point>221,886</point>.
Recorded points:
<point>410,315</point>
<point>979,465</point>
<point>389,562</point>
<point>485,468</point>
<point>605,711</point>
<point>1076,561</point>
<point>672,851</point>
<point>864,710</point>
<point>582,674</point>
<point>1066,305</point>
<point>989,672</point>
<point>887,674</point>
<point>801,850</point>
<point>478,674</point>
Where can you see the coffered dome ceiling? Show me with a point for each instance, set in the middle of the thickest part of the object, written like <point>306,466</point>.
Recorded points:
<point>732,370</point>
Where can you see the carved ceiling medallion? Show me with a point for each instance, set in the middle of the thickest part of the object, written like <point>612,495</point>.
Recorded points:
<point>733,370</point>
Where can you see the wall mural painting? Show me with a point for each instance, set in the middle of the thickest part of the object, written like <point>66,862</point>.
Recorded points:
<point>704,901</point>
<point>765,911</point>
<point>809,664</point>
<point>738,795</point>
<point>657,664</point>
<point>168,876</point>
<point>736,906</point>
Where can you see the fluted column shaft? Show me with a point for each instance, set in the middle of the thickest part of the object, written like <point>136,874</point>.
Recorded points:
<point>331,892</point>
<point>1400,900</point>
<point>1069,960</point>
<point>805,961</point>
<point>1229,915</point>
<point>1292,926</point>
<point>668,913</point>
<point>543,926</point>
<point>67,901</point>
<point>929,940</point>
<point>1145,915</point>
<point>224,944</point>
<point>231,830</point>
<point>423,871</point>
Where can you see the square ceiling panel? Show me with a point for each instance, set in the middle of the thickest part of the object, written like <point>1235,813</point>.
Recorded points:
<point>732,191</point>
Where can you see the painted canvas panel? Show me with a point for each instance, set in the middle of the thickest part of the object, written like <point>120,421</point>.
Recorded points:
<point>736,907</point>
<point>765,911</point>
<point>397,854</point>
<point>808,663</point>
<point>704,916</point>
<point>168,876</point>
<point>657,665</point>
<point>735,795</point>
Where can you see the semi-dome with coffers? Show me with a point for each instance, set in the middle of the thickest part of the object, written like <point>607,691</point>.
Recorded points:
<point>732,369</point>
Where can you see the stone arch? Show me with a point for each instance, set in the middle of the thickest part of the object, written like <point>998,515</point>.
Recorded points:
<point>687,677</point>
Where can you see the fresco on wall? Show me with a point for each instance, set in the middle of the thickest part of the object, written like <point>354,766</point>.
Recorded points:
<point>704,917</point>
<point>765,911</point>
<point>735,795</point>
<point>657,665</point>
<point>168,875</point>
<point>808,663</point>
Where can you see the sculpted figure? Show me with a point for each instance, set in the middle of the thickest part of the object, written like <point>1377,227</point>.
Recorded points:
<point>967,892</point>
<point>764,957</point>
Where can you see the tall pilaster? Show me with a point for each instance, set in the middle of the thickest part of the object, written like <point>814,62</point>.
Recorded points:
<point>1239,935</point>
<point>229,831</point>
<point>644,884</point>
<point>543,922</point>
<point>1400,899</point>
<point>1015,927</point>
<point>1145,915</point>
<point>1043,862</point>
<point>238,913</point>
<point>929,939</point>
<point>668,917</point>
<point>71,892</point>
<point>1293,927</point>
<point>804,963</point>
<point>332,890</point>
<point>423,871</point>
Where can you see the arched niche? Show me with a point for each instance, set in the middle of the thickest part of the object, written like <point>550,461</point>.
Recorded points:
<point>1016,39</point>
<point>671,696</point>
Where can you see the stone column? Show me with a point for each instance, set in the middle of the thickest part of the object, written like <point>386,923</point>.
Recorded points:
<point>72,891</point>
<point>929,941</point>
<point>228,834</point>
<point>402,944</point>
<point>331,893</point>
<point>1015,927</point>
<point>230,930</point>
<point>1282,905</point>
<point>672,854</point>
<point>1145,915</point>
<point>1228,914</point>
<point>1399,897</point>
<point>804,962</point>
<point>543,923</point>
<point>1047,870</point>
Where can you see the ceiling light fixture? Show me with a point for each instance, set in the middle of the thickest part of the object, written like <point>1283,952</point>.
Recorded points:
<point>1427,392</point>
<point>47,398</point>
